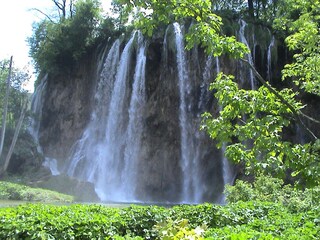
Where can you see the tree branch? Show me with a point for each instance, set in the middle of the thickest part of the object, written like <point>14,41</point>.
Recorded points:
<point>297,114</point>
<point>47,16</point>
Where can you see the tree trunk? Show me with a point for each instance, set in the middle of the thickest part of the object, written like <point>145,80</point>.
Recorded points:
<point>5,109</point>
<point>61,8</point>
<point>251,9</point>
<point>15,138</point>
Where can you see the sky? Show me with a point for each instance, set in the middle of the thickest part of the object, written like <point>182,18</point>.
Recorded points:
<point>16,18</point>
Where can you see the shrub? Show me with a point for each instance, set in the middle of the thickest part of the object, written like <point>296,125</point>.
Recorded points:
<point>270,189</point>
<point>241,220</point>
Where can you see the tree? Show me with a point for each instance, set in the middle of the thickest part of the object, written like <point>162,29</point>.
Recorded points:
<point>251,126</point>
<point>301,20</point>
<point>250,8</point>
<point>14,107</point>
<point>5,108</point>
<point>14,139</point>
<point>57,46</point>
<point>62,8</point>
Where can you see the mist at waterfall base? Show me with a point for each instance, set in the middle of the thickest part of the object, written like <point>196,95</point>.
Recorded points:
<point>113,149</point>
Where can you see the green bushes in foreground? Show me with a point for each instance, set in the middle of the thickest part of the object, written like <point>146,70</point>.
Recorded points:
<point>242,220</point>
<point>263,210</point>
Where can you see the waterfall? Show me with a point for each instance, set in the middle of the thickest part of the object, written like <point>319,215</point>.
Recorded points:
<point>109,149</point>
<point>36,109</point>
<point>250,75</point>
<point>83,163</point>
<point>97,154</point>
<point>109,181</point>
<point>269,58</point>
<point>205,84</point>
<point>142,142</point>
<point>188,161</point>
<point>135,125</point>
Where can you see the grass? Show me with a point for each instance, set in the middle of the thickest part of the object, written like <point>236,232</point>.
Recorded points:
<point>18,192</point>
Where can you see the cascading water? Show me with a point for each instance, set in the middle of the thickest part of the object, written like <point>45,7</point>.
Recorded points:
<point>244,74</point>
<point>106,154</point>
<point>36,107</point>
<point>135,125</point>
<point>190,173</point>
<point>205,84</point>
<point>85,148</point>
<point>111,149</point>
<point>269,58</point>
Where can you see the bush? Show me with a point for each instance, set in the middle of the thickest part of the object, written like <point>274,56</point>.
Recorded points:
<point>270,189</point>
<point>242,220</point>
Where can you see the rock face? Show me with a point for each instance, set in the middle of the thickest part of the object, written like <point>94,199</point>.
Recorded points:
<point>155,152</point>
<point>66,108</point>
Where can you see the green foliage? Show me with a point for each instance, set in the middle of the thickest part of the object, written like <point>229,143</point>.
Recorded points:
<point>204,31</point>
<point>138,221</point>
<point>301,20</point>
<point>252,123</point>
<point>12,191</point>
<point>58,46</point>
<point>17,94</point>
<point>268,221</point>
<point>270,189</point>
<point>178,229</point>
<point>242,220</point>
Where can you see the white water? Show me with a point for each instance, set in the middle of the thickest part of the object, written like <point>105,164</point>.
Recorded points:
<point>244,76</point>
<point>97,155</point>
<point>269,58</point>
<point>83,153</point>
<point>108,152</point>
<point>188,161</point>
<point>207,77</point>
<point>135,125</point>
<point>52,165</point>
<point>36,108</point>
